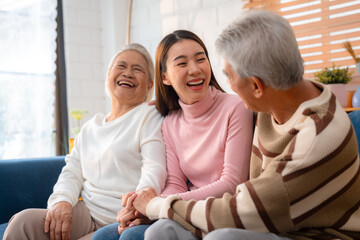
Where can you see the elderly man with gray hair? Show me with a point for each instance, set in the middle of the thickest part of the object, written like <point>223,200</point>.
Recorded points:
<point>304,171</point>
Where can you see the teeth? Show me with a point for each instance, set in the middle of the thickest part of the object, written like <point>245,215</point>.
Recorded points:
<point>121,82</point>
<point>196,83</point>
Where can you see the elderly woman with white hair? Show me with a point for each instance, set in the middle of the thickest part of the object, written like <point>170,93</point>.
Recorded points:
<point>113,154</point>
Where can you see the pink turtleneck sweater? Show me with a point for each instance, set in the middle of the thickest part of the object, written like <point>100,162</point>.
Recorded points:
<point>208,146</point>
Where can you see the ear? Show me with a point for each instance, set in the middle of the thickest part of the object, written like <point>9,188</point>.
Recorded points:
<point>258,87</point>
<point>151,84</point>
<point>165,79</point>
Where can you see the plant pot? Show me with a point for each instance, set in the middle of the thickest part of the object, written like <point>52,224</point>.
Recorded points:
<point>339,91</point>
<point>71,144</point>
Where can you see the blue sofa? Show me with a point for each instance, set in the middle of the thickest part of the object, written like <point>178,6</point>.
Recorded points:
<point>26,183</point>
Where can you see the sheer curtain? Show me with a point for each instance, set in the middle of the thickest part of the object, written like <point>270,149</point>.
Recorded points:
<point>27,78</point>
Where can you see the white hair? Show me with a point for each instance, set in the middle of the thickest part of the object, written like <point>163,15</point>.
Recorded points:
<point>262,44</point>
<point>150,66</point>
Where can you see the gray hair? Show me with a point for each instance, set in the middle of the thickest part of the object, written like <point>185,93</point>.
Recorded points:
<point>150,66</point>
<point>262,44</point>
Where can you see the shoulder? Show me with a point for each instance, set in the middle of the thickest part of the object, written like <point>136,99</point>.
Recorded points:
<point>97,119</point>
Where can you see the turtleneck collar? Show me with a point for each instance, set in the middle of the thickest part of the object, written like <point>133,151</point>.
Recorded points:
<point>199,108</point>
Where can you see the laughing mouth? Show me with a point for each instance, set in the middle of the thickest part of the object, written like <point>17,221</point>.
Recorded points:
<point>195,83</point>
<point>125,83</point>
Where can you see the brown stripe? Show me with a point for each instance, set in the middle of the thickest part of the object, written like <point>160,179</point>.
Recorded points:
<point>281,166</point>
<point>266,152</point>
<point>335,175</point>
<point>287,157</point>
<point>293,131</point>
<point>257,152</point>
<point>234,213</point>
<point>322,161</point>
<point>328,201</point>
<point>198,233</point>
<point>346,216</point>
<point>170,214</point>
<point>321,124</point>
<point>209,202</point>
<point>260,208</point>
<point>188,212</point>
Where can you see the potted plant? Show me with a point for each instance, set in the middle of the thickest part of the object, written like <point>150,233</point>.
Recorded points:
<point>77,114</point>
<point>335,79</point>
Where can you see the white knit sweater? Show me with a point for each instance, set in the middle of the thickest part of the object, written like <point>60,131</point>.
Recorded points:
<point>112,158</point>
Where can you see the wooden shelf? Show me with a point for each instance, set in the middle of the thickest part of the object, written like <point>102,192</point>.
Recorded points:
<point>351,109</point>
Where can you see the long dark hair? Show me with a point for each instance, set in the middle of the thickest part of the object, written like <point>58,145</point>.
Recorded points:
<point>166,97</point>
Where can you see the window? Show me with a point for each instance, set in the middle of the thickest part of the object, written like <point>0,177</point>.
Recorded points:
<point>321,27</point>
<point>28,70</point>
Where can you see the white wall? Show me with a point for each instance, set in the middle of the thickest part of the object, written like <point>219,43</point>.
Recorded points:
<point>153,19</point>
<point>95,29</point>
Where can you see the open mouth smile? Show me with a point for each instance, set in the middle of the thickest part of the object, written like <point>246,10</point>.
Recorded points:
<point>195,83</point>
<point>125,83</point>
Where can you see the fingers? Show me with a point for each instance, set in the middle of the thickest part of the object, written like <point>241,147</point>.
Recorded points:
<point>140,221</point>
<point>47,222</point>
<point>52,229</point>
<point>130,201</point>
<point>125,197</point>
<point>121,229</point>
<point>66,228</point>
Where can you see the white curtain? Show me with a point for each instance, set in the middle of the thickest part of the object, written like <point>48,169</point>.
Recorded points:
<point>27,78</point>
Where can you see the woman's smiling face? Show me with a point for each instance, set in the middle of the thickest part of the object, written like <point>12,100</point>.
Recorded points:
<point>187,71</point>
<point>128,78</point>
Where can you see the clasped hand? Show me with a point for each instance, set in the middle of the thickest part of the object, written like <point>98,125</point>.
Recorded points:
<point>134,209</point>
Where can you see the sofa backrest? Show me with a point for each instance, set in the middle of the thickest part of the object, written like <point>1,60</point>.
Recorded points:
<point>27,183</point>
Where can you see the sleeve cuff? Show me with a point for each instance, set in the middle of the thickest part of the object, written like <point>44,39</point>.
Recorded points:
<point>158,207</point>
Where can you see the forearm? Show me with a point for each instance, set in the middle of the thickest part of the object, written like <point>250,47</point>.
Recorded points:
<point>70,181</point>
<point>153,171</point>
<point>245,210</point>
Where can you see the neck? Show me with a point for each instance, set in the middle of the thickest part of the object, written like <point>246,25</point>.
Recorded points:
<point>284,103</point>
<point>119,109</point>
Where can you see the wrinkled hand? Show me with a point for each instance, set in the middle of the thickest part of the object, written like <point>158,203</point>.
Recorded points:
<point>58,221</point>
<point>128,216</point>
<point>142,199</point>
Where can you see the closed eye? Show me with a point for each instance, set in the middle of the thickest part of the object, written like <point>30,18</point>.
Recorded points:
<point>138,70</point>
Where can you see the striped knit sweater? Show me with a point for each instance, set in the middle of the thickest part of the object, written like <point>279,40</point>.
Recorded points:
<point>304,180</point>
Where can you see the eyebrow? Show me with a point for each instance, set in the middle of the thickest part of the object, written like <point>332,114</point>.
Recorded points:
<point>183,56</point>
<point>135,65</point>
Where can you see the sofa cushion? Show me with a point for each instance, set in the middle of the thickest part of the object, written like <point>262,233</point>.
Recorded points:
<point>2,229</point>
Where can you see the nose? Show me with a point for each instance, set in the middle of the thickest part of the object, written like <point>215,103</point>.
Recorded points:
<point>128,73</point>
<point>194,69</point>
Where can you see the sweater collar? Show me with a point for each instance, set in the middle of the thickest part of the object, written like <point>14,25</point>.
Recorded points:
<point>199,108</point>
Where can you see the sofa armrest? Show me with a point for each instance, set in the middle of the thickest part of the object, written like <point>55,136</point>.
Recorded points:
<point>27,183</point>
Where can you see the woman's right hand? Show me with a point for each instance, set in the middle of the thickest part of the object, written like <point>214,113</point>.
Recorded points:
<point>58,221</point>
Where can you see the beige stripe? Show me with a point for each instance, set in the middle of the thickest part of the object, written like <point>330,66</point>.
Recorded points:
<point>248,212</point>
<point>329,190</point>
